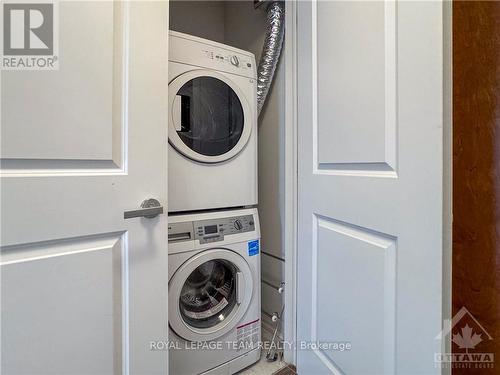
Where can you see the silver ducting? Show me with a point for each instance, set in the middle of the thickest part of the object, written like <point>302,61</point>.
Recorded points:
<point>271,50</point>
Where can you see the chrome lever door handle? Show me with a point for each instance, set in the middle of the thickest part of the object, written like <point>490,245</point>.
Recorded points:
<point>150,208</point>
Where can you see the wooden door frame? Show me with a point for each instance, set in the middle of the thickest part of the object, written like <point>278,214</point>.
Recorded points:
<point>476,95</point>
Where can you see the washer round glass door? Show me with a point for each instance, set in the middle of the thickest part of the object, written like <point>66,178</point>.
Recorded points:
<point>209,117</point>
<point>209,294</point>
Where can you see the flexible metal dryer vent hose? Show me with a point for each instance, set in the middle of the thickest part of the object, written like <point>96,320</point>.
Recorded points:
<point>271,50</point>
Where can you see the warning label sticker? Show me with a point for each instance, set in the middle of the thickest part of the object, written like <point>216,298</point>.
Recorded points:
<point>248,334</point>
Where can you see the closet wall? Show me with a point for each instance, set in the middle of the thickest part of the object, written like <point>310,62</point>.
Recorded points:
<point>239,24</point>
<point>245,28</point>
<point>201,18</point>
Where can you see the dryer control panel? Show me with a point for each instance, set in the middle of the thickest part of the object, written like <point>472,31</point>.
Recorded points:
<point>211,230</point>
<point>188,49</point>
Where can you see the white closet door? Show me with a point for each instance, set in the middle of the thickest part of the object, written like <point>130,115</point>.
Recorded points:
<point>370,118</point>
<point>84,290</point>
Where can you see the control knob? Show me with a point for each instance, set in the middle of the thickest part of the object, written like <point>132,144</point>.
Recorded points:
<point>238,225</point>
<point>234,60</point>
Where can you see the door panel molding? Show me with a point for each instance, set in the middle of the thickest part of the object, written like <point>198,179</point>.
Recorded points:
<point>346,245</point>
<point>75,282</point>
<point>384,162</point>
<point>113,160</point>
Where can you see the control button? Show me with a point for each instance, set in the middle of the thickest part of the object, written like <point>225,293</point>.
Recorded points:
<point>238,225</point>
<point>235,61</point>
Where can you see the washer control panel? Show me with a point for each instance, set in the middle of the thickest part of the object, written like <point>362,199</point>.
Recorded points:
<point>215,229</point>
<point>190,231</point>
<point>210,230</point>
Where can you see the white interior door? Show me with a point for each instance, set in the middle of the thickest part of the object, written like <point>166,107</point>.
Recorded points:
<point>370,117</point>
<point>84,290</point>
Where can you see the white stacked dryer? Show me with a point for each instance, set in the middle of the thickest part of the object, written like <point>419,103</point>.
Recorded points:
<point>212,128</point>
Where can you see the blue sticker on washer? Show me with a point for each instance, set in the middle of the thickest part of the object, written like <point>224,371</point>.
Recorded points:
<point>253,248</point>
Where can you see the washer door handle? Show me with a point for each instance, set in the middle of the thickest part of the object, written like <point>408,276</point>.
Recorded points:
<point>240,281</point>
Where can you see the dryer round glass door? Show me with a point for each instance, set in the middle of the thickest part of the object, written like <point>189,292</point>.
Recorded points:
<point>209,294</point>
<point>210,120</point>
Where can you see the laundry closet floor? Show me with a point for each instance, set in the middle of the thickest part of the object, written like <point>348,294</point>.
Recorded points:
<point>263,367</point>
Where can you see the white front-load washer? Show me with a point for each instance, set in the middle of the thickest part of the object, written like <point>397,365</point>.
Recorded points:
<point>214,292</point>
<point>212,129</point>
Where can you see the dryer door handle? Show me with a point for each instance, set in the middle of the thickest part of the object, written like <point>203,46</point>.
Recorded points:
<point>240,283</point>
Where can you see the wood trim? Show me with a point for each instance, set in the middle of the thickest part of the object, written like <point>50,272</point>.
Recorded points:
<point>476,173</point>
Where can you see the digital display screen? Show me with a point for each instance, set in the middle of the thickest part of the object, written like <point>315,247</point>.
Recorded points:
<point>211,229</point>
